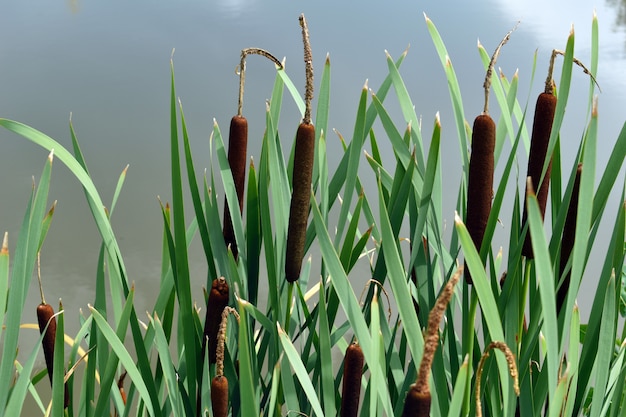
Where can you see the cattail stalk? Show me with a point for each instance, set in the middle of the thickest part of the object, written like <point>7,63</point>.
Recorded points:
<point>238,147</point>
<point>46,317</point>
<point>567,241</point>
<point>352,372</point>
<point>417,401</point>
<point>481,165</point>
<point>302,173</point>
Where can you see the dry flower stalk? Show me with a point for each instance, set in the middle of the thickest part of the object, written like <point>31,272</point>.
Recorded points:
<point>510,360</point>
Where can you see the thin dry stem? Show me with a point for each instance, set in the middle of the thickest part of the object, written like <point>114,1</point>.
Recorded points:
<point>377,283</point>
<point>242,70</point>
<point>43,299</point>
<point>494,57</point>
<point>432,333</point>
<point>308,63</point>
<point>221,338</point>
<point>510,360</point>
<point>550,81</point>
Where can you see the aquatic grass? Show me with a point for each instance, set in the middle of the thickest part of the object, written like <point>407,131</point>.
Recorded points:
<point>285,355</point>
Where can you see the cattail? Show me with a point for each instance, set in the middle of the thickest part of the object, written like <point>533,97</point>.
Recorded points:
<point>481,165</point>
<point>302,173</point>
<point>417,401</point>
<point>45,316</point>
<point>237,154</point>
<point>219,384</point>
<point>219,396</point>
<point>218,300</point>
<point>352,371</point>
<point>238,147</point>
<point>120,386</point>
<point>567,240</point>
<point>217,303</point>
<point>480,180</point>
<point>540,139</point>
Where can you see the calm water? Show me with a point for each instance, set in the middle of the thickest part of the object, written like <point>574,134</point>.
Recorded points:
<point>107,63</point>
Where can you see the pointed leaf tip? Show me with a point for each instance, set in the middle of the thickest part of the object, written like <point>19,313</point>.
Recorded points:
<point>5,243</point>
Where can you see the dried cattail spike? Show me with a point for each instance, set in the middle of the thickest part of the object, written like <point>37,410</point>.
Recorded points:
<point>352,372</point>
<point>540,138</point>
<point>221,339</point>
<point>300,200</point>
<point>432,333</point>
<point>480,180</point>
<point>219,396</point>
<point>510,359</point>
<point>416,403</point>
<point>567,240</point>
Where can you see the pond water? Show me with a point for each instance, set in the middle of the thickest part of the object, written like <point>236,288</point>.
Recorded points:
<point>107,64</point>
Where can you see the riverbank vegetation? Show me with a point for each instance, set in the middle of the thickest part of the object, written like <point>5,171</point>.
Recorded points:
<point>507,341</point>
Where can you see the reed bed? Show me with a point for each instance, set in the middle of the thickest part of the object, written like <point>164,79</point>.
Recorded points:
<point>284,355</point>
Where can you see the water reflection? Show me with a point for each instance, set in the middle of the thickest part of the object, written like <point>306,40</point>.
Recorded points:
<point>620,14</point>
<point>73,5</point>
<point>234,9</point>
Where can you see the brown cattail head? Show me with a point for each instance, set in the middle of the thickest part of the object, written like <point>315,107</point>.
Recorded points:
<point>416,403</point>
<point>542,127</point>
<point>352,371</point>
<point>45,314</point>
<point>237,159</point>
<point>480,180</point>
<point>219,396</point>
<point>218,300</point>
<point>300,199</point>
<point>567,240</point>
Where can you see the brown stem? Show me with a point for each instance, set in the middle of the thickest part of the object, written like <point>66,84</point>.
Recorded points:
<point>242,70</point>
<point>494,57</point>
<point>549,88</point>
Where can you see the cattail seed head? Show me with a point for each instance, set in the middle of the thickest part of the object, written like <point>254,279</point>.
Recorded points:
<point>237,159</point>
<point>416,403</point>
<point>352,372</point>
<point>45,314</point>
<point>218,300</point>
<point>219,396</point>
<point>300,200</point>
<point>480,180</point>
<point>540,138</point>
